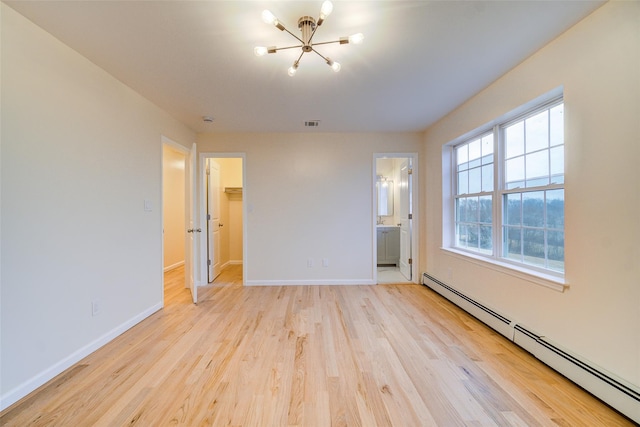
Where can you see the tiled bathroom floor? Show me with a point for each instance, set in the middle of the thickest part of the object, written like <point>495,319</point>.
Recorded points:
<point>390,275</point>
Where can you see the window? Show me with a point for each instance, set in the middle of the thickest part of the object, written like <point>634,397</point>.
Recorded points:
<point>509,191</point>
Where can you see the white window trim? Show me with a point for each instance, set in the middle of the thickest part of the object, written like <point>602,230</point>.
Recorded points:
<point>540,276</point>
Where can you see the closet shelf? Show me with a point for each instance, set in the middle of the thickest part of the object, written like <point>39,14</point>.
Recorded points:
<point>233,190</point>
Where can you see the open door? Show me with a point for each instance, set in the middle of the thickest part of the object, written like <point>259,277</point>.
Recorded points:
<point>213,219</point>
<point>406,217</point>
<point>192,231</point>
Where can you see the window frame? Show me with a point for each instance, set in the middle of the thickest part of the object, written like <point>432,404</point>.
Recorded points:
<point>498,258</point>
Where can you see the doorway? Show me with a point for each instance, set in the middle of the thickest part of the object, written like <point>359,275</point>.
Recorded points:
<point>224,212</point>
<point>395,233</point>
<point>177,216</point>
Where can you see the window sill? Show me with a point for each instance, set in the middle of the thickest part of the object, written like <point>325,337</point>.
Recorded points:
<point>536,277</point>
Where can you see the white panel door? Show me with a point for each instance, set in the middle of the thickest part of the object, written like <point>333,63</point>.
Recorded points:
<point>213,219</point>
<point>191,239</point>
<point>405,218</point>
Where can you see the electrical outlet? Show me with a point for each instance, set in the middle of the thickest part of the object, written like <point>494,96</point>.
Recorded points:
<point>310,262</point>
<point>96,307</point>
<point>325,262</point>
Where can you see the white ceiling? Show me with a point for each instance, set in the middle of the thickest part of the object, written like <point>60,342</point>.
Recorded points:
<point>419,60</point>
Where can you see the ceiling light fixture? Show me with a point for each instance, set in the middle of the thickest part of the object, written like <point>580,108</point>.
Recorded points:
<point>308,26</point>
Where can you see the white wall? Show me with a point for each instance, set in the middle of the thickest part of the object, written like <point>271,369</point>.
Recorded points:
<point>309,195</point>
<point>173,198</point>
<point>80,154</point>
<point>598,317</point>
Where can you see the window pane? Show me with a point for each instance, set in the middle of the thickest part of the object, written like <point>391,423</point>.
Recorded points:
<point>486,242</point>
<point>513,209</point>
<point>461,235</point>
<point>475,180</point>
<point>514,172</point>
<point>487,149</point>
<point>487,178</point>
<point>537,132</point>
<point>555,250</point>
<point>486,209</point>
<point>472,209</point>
<point>462,154</point>
<point>555,209</point>
<point>474,150</point>
<point>473,236</point>
<point>514,140</point>
<point>556,125</point>
<point>461,210</point>
<point>512,243</point>
<point>463,182</point>
<point>533,209</point>
<point>537,165</point>
<point>533,247</point>
<point>557,163</point>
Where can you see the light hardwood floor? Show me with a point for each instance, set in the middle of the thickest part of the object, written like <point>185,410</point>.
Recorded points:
<point>386,355</point>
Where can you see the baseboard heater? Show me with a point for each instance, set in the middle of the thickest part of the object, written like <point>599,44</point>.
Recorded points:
<point>614,391</point>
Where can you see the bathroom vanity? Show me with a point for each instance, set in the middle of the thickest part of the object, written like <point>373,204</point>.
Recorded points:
<point>388,237</point>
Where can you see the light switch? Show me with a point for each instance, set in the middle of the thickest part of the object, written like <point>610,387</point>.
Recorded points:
<point>148,206</point>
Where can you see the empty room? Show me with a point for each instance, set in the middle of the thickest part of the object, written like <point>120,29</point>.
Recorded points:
<point>277,213</point>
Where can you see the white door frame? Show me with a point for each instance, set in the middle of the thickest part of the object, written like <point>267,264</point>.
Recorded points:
<point>202,168</point>
<point>415,208</point>
<point>189,192</point>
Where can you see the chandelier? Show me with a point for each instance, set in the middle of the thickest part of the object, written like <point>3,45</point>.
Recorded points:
<point>308,27</point>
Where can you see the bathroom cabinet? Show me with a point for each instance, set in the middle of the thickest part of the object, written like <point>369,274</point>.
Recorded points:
<point>388,245</point>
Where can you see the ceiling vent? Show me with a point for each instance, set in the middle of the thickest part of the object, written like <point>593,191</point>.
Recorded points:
<point>312,123</point>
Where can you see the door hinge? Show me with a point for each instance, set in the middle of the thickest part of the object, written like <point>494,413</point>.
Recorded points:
<point>410,216</point>
<point>410,171</point>
<point>410,261</point>
<point>208,217</point>
<point>208,262</point>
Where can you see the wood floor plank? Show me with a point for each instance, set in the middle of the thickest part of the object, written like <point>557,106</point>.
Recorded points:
<point>386,355</point>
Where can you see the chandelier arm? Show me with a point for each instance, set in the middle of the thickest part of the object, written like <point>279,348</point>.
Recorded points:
<point>319,43</point>
<point>296,37</point>
<point>320,55</point>
<point>315,28</point>
<point>288,47</point>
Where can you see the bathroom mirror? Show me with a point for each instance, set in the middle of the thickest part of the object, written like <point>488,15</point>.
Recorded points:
<point>385,197</point>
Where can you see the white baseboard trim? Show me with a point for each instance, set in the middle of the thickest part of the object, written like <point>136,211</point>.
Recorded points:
<point>12,396</point>
<point>173,266</point>
<point>309,282</point>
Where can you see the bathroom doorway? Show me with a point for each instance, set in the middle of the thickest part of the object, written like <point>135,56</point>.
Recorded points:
<point>395,230</point>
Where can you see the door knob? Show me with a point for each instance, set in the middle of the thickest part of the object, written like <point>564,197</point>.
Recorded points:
<point>220,225</point>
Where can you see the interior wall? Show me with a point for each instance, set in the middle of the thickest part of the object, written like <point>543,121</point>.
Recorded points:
<point>173,197</point>
<point>81,153</point>
<point>309,197</point>
<point>598,317</point>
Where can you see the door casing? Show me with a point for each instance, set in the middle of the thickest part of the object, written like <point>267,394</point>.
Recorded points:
<point>202,168</point>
